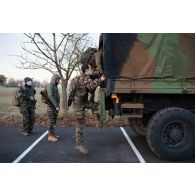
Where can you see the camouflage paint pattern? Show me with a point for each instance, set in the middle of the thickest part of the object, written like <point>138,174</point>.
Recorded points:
<point>28,118</point>
<point>27,109</point>
<point>155,63</point>
<point>51,118</point>
<point>80,103</point>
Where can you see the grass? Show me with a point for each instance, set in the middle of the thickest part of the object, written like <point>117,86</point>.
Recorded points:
<point>6,106</point>
<point>10,114</point>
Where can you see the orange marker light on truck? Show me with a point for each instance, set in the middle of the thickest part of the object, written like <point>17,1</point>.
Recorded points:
<point>116,98</point>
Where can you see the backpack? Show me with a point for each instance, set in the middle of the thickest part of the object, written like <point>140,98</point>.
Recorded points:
<point>17,96</point>
<point>74,83</point>
<point>86,56</point>
<point>44,96</point>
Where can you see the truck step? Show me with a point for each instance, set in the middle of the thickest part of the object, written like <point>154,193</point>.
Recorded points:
<point>133,115</point>
<point>132,105</point>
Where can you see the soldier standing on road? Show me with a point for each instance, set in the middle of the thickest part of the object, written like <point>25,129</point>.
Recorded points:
<point>27,106</point>
<point>84,87</point>
<point>52,110</point>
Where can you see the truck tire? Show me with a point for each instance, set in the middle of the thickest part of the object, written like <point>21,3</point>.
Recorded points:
<point>171,134</point>
<point>138,126</point>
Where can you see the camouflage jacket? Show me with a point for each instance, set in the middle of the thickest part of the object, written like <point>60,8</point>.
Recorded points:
<point>25,100</point>
<point>53,93</point>
<point>85,86</point>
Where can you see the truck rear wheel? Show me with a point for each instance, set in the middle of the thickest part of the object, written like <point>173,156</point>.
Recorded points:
<point>171,133</point>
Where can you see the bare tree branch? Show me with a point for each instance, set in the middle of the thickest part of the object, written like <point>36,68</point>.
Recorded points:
<point>45,42</point>
<point>64,36</point>
<point>56,53</point>
<point>33,39</point>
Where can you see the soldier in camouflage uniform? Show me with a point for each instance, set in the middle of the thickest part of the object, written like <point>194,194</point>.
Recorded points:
<point>52,110</point>
<point>27,106</point>
<point>93,57</point>
<point>80,103</point>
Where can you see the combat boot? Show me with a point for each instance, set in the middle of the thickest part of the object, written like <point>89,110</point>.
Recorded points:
<point>80,142</point>
<point>81,148</point>
<point>52,138</point>
<point>57,136</point>
<point>25,133</point>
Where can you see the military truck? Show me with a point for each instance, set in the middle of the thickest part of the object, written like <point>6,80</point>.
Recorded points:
<point>151,80</point>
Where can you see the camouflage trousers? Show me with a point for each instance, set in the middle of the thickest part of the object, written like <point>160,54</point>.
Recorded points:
<point>80,118</point>
<point>80,123</point>
<point>94,97</point>
<point>51,118</point>
<point>28,115</point>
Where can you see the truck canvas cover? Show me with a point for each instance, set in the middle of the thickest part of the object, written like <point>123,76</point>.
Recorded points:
<point>150,62</point>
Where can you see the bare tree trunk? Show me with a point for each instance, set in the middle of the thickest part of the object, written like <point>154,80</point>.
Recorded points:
<point>64,96</point>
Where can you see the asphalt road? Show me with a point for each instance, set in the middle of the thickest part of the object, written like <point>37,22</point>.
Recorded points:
<point>108,145</point>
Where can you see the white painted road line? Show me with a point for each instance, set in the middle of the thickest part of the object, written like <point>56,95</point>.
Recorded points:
<point>30,148</point>
<point>139,156</point>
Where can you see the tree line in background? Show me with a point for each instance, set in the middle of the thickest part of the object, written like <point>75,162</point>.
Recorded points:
<point>11,82</point>
<point>3,80</point>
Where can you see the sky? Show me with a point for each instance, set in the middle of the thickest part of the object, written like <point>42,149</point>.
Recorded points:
<point>10,47</point>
